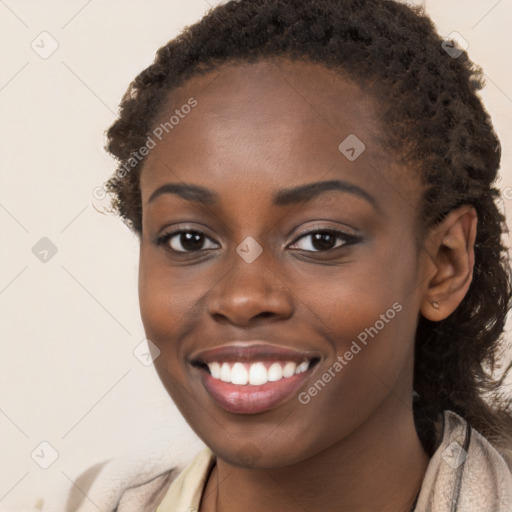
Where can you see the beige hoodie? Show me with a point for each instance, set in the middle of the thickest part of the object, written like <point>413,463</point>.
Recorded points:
<point>465,474</point>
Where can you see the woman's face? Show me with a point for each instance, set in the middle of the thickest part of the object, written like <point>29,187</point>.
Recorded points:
<point>310,291</point>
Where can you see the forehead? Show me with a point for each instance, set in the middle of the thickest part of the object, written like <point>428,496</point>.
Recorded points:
<point>270,121</point>
<point>280,84</point>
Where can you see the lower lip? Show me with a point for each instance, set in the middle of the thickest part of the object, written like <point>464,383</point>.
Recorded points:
<point>252,399</point>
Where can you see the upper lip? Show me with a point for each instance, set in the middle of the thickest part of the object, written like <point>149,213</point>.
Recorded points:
<point>252,351</point>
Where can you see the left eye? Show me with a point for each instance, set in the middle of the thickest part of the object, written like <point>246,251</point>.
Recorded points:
<point>186,241</point>
<point>324,240</point>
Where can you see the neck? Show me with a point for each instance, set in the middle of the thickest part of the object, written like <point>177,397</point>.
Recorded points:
<point>378,468</point>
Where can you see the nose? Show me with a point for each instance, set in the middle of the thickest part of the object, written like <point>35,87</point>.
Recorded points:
<point>250,292</point>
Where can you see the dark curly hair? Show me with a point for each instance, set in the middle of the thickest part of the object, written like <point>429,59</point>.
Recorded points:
<point>433,120</point>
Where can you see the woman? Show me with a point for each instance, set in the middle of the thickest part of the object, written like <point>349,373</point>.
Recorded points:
<point>321,264</point>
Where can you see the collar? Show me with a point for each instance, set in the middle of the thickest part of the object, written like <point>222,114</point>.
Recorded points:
<point>465,474</point>
<point>184,494</point>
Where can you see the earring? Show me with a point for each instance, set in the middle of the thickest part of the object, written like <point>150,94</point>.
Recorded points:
<point>435,304</point>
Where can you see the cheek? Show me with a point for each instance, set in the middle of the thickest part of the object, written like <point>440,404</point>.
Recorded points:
<point>370,319</point>
<point>165,302</point>
<point>369,312</point>
<point>365,293</point>
<point>165,306</point>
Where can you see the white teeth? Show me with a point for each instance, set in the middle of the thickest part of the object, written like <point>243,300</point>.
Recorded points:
<point>255,374</point>
<point>239,374</point>
<point>275,372</point>
<point>302,367</point>
<point>289,369</point>
<point>258,374</point>
<point>215,370</point>
<point>225,372</point>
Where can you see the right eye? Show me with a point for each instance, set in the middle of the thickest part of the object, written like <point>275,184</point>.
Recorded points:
<point>185,241</point>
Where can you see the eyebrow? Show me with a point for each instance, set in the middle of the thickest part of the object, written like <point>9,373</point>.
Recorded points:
<point>283,197</point>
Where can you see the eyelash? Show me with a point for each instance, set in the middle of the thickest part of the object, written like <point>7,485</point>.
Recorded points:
<point>348,239</point>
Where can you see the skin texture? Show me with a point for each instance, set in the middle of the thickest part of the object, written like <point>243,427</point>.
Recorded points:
<point>259,128</point>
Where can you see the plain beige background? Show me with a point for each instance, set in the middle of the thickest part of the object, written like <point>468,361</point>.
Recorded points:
<point>69,325</point>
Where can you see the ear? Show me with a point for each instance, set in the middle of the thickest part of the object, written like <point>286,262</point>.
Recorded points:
<point>451,254</point>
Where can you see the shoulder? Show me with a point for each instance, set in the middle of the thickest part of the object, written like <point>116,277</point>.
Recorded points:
<point>128,482</point>
<point>135,479</point>
<point>465,470</point>
<point>108,485</point>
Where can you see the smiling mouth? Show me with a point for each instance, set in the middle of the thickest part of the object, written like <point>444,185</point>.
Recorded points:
<point>258,373</point>
<point>251,380</point>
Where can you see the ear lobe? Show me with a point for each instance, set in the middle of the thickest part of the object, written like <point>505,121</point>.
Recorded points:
<point>452,258</point>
